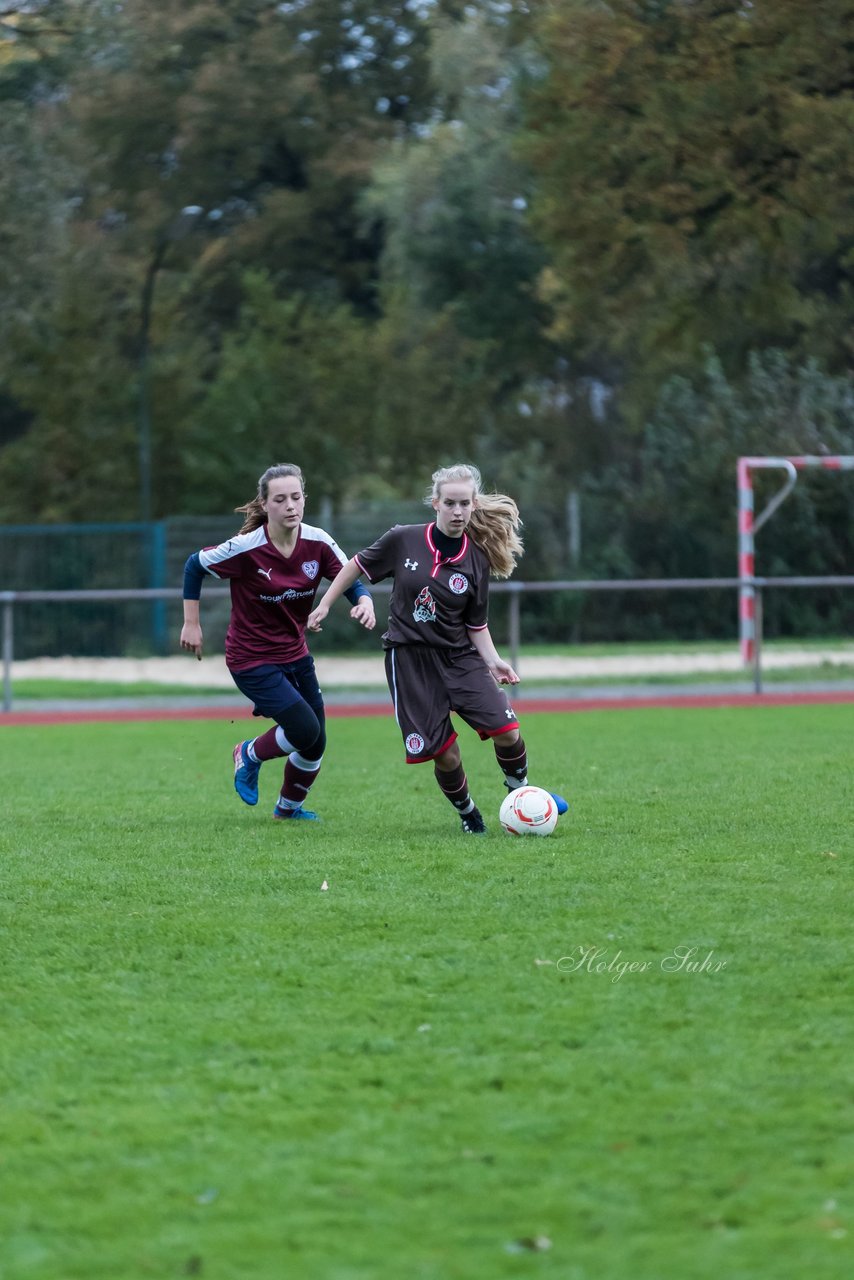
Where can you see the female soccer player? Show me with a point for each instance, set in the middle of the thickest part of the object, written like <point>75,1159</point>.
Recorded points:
<point>439,653</point>
<point>274,564</point>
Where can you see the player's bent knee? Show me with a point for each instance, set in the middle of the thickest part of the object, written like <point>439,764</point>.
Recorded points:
<point>449,758</point>
<point>302,729</point>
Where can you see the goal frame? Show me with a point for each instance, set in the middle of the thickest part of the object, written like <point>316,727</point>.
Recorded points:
<point>749,525</point>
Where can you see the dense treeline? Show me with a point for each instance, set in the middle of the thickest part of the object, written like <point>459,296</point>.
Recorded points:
<point>597,248</point>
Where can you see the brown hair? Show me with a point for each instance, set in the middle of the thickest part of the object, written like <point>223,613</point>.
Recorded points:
<point>495,523</point>
<point>253,512</point>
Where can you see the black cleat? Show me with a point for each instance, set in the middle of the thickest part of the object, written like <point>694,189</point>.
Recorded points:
<point>473,823</point>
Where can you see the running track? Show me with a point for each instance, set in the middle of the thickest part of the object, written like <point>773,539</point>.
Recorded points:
<point>96,715</point>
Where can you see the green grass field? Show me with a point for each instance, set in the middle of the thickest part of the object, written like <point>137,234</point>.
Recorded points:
<point>468,1059</point>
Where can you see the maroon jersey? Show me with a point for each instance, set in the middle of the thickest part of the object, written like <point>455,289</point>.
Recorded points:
<point>435,599</point>
<point>271,596</point>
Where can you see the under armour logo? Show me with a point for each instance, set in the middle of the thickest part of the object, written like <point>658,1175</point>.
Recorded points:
<point>266,573</point>
<point>510,713</point>
<point>410,564</point>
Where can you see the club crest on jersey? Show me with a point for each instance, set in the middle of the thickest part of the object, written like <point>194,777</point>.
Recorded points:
<point>458,582</point>
<point>310,568</point>
<point>414,744</point>
<point>425,607</point>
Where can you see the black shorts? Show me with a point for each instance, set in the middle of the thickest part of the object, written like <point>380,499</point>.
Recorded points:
<point>428,683</point>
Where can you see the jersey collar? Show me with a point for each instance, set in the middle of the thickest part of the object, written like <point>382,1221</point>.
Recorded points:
<point>271,544</point>
<point>436,553</point>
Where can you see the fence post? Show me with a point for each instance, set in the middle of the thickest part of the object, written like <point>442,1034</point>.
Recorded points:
<point>573,522</point>
<point>157,575</point>
<point>8,648</point>
<point>515,593</point>
<point>757,639</point>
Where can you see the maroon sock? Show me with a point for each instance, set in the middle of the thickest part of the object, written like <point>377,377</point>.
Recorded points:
<point>297,782</point>
<point>266,747</point>
<point>512,758</point>
<point>454,784</point>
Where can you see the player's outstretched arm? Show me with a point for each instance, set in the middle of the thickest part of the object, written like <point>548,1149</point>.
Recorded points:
<point>337,587</point>
<point>500,670</point>
<point>191,632</point>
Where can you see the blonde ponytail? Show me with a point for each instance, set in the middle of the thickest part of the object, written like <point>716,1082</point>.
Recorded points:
<point>494,527</point>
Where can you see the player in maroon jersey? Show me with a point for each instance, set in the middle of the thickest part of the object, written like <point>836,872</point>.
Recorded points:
<point>439,654</point>
<point>274,565</point>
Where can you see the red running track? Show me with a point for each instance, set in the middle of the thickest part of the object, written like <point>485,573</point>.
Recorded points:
<point>95,715</point>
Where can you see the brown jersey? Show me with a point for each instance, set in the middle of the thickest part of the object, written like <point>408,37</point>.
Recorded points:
<point>435,599</point>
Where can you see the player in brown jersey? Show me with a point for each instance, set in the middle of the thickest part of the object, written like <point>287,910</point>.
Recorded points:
<point>274,565</point>
<point>440,656</point>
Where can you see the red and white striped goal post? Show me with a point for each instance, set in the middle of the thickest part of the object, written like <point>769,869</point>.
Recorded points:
<point>748,527</point>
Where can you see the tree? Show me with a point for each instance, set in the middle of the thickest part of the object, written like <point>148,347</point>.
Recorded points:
<point>295,381</point>
<point>694,172</point>
<point>267,117</point>
<point>261,118</point>
<point>77,459</point>
<point>38,44</point>
<point>672,512</point>
<point>363,406</point>
<point>453,199</point>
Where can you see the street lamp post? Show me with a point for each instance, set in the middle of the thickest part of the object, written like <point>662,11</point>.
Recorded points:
<point>179,227</point>
<point>152,532</point>
<point>144,402</point>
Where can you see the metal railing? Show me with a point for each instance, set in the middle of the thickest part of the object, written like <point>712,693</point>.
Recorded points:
<point>516,590</point>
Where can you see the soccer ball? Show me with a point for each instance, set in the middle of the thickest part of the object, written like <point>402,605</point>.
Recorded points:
<point>528,811</point>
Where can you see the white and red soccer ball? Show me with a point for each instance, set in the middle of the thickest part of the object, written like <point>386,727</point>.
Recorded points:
<point>528,811</point>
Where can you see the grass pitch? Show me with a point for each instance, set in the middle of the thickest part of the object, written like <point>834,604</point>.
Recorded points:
<point>622,1053</point>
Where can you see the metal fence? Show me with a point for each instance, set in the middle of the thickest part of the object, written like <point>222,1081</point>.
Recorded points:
<point>516,593</point>
<point>149,557</point>
<point>136,556</point>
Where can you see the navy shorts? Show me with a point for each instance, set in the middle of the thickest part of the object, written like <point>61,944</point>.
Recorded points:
<point>277,687</point>
<point>428,683</point>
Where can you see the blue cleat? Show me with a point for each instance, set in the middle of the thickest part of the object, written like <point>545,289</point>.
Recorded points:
<point>281,811</point>
<point>562,805</point>
<point>245,774</point>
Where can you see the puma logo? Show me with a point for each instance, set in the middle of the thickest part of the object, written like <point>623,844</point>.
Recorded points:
<point>267,573</point>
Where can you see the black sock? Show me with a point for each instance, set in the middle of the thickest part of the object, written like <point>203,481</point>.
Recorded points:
<point>512,758</point>
<point>454,784</point>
